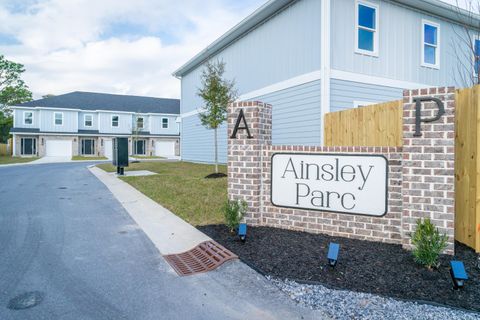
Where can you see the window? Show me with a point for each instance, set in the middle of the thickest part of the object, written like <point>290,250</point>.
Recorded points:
<point>28,117</point>
<point>476,48</point>
<point>164,123</point>
<point>140,123</point>
<point>430,44</point>
<point>88,120</point>
<point>28,146</point>
<point>114,121</point>
<point>366,23</point>
<point>139,147</point>
<point>58,118</point>
<point>88,147</point>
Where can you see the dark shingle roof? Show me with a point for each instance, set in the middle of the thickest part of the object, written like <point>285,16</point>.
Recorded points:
<point>110,102</point>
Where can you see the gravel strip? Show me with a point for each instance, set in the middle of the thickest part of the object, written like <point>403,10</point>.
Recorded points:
<point>342,304</point>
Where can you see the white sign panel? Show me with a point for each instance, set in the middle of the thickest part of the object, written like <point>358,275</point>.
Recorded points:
<point>344,183</point>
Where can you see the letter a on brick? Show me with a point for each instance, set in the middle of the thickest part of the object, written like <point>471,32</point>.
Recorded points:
<point>241,116</point>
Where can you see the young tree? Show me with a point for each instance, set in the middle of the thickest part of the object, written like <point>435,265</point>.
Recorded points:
<point>12,91</point>
<point>216,93</point>
<point>466,43</point>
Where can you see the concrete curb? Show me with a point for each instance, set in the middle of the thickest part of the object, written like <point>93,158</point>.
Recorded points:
<point>168,232</point>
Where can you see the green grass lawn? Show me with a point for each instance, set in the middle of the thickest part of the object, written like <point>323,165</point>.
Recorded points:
<point>182,188</point>
<point>80,158</point>
<point>8,159</point>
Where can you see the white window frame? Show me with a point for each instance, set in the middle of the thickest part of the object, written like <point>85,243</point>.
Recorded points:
<point>375,31</point>
<point>437,48</point>
<point>85,120</point>
<point>25,118</point>
<point>55,118</point>
<point>143,122</point>
<point>357,104</point>
<point>168,123</point>
<point>111,120</point>
<point>476,37</point>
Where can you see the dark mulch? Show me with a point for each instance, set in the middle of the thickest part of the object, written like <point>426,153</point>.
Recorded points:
<point>216,175</point>
<point>365,266</point>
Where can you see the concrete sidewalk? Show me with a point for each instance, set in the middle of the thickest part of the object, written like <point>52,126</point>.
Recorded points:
<point>169,233</point>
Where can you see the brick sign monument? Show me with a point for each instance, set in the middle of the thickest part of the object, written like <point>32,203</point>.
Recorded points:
<point>369,193</point>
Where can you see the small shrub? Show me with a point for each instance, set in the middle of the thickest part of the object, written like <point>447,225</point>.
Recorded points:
<point>234,210</point>
<point>428,243</point>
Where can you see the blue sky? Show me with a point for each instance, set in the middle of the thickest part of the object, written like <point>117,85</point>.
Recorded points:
<point>115,46</point>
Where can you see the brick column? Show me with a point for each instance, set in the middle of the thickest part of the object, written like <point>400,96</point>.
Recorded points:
<point>428,164</point>
<point>244,155</point>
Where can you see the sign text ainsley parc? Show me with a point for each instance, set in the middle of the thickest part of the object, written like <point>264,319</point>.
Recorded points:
<point>355,184</point>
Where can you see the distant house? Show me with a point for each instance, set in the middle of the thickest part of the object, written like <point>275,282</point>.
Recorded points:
<point>84,123</point>
<point>311,57</point>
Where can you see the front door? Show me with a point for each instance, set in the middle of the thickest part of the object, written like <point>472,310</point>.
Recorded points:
<point>28,146</point>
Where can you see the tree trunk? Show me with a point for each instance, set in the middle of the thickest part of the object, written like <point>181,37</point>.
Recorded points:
<point>216,151</point>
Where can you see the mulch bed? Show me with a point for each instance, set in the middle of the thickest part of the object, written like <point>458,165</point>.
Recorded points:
<point>216,175</point>
<point>364,266</point>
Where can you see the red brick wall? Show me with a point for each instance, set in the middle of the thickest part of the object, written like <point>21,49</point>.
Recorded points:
<point>420,181</point>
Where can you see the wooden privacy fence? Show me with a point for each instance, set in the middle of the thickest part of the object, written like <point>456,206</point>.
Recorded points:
<point>467,167</point>
<point>373,125</point>
<point>4,149</point>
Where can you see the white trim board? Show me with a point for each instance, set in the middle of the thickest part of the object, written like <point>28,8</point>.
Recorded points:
<point>379,81</point>
<point>292,82</point>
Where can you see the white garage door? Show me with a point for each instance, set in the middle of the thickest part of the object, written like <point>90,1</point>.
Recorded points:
<point>108,148</point>
<point>164,148</point>
<point>59,148</point>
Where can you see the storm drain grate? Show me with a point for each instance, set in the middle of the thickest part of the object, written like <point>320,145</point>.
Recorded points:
<point>206,256</point>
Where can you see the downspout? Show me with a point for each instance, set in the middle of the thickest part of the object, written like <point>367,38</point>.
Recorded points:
<point>325,64</point>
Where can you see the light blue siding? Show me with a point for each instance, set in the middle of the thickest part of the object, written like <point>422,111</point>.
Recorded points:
<point>296,114</point>
<point>156,125</point>
<point>125,122</point>
<point>198,143</point>
<point>81,121</point>
<point>400,43</point>
<point>70,121</point>
<point>344,93</point>
<point>18,117</point>
<point>285,46</point>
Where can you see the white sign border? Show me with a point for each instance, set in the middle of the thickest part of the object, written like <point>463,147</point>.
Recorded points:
<point>331,154</point>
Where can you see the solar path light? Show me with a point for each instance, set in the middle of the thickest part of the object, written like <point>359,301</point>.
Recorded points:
<point>332,256</point>
<point>242,231</point>
<point>458,273</point>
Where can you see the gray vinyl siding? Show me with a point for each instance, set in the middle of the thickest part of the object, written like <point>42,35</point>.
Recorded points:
<point>81,121</point>
<point>344,93</point>
<point>285,46</point>
<point>198,143</point>
<point>399,58</point>
<point>70,121</point>
<point>296,114</point>
<point>125,122</point>
<point>18,117</point>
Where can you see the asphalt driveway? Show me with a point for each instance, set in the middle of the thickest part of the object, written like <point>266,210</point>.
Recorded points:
<point>64,236</point>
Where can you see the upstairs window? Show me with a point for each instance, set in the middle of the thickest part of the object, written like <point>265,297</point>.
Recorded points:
<point>88,120</point>
<point>58,118</point>
<point>366,28</point>
<point>164,123</point>
<point>476,48</point>
<point>28,117</point>
<point>114,121</point>
<point>430,44</point>
<point>140,123</point>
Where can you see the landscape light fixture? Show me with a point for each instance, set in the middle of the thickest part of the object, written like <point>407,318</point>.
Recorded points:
<point>458,273</point>
<point>242,231</point>
<point>332,256</point>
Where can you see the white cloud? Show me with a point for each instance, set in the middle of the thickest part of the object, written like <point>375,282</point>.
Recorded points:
<point>63,48</point>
